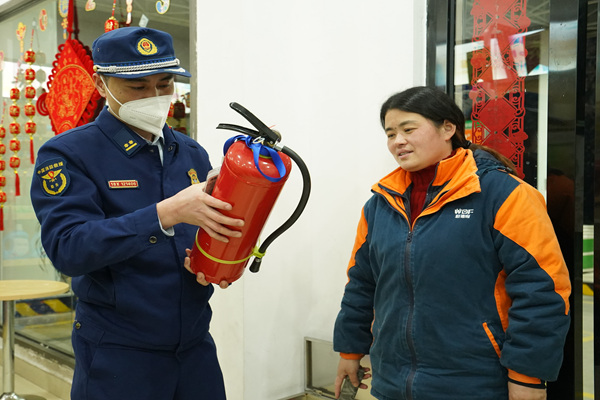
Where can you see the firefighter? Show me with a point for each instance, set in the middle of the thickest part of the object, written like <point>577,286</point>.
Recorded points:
<point>119,201</point>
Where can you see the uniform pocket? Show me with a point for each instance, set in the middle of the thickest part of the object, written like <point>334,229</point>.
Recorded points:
<point>489,331</point>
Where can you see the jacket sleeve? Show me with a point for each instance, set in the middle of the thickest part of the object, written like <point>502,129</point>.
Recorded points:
<point>534,289</point>
<point>76,234</point>
<point>352,333</point>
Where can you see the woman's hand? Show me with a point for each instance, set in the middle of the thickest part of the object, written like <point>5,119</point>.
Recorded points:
<point>200,278</point>
<point>520,392</point>
<point>349,368</point>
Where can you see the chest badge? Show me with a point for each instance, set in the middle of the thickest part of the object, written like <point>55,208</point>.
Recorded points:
<point>193,176</point>
<point>54,176</point>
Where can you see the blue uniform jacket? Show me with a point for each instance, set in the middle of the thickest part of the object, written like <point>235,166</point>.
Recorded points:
<point>95,195</point>
<point>474,291</point>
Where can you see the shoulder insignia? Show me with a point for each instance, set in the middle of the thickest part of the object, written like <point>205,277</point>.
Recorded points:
<point>54,176</point>
<point>193,176</point>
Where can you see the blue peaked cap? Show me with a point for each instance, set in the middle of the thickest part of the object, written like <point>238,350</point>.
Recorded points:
<point>134,52</point>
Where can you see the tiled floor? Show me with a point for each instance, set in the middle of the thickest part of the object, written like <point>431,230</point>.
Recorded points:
<point>30,391</point>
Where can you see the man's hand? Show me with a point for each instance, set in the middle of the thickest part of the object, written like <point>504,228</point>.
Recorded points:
<point>200,278</point>
<point>520,392</point>
<point>349,368</point>
<point>194,207</point>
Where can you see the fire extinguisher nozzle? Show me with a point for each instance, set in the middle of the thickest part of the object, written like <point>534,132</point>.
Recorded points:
<point>255,266</point>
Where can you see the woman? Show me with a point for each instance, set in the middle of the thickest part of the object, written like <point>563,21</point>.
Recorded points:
<point>457,286</point>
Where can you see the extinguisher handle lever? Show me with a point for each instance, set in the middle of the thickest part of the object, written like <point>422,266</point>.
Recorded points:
<point>263,130</point>
<point>240,129</point>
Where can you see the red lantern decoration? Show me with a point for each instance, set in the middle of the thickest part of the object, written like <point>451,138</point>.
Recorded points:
<point>15,128</point>
<point>15,145</point>
<point>14,111</point>
<point>30,128</point>
<point>15,94</point>
<point>15,162</point>
<point>29,110</point>
<point>29,56</point>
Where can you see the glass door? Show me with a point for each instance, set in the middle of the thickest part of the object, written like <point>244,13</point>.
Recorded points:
<point>524,73</point>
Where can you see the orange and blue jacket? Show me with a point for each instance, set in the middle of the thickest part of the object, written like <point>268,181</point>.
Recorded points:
<point>473,294</point>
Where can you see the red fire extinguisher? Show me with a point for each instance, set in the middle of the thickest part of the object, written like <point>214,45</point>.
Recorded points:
<point>251,177</point>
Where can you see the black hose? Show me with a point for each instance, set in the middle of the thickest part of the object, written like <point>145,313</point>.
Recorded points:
<point>255,266</point>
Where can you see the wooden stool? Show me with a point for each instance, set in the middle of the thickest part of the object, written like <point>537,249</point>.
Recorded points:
<point>11,290</point>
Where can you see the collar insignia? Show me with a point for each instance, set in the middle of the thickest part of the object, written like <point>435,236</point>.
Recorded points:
<point>54,176</point>
<point>127,142</point>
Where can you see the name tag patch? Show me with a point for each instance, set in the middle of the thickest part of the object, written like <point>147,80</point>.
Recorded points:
<point>123,184</point>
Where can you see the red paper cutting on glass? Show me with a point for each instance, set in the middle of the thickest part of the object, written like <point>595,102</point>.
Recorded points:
<point>498,92</point>
<point>72,99</point>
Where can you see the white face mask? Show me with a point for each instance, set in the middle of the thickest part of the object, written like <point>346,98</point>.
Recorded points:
<point>148,114</point>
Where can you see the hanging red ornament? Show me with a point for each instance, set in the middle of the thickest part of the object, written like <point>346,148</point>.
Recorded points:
<point>72,99</point>
<point>111,24</point>
<point>2,166</point>
<point>43,19</point>
<point>15,129</point>
<point>15,163</point>
<point>90,5</point>
<point>63,10</point>
<point>129,10</point>
<point>178,109</point>
<point>30,92</point>
<point>162,6</point>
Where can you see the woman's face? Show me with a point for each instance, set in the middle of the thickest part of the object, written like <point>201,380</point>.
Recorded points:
<point>415,142</point>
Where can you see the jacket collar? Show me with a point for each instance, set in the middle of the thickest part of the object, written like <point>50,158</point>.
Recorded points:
<point>127,140</point>
<point>457,175</point>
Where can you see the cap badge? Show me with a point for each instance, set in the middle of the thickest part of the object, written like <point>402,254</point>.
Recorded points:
<point>146,47</point>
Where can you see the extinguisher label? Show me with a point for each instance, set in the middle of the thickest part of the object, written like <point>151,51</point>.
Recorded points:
<point>124,184</point>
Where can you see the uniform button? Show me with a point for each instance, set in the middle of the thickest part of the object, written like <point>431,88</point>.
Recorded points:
<point>151,150</point>
<point>77,325</point>
<point>153,239</point>
<point>171,147</point>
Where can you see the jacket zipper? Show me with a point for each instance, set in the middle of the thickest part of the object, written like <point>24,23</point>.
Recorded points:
<point>409,322</point>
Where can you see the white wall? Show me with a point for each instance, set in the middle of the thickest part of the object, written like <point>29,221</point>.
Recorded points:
<point>319,71</point>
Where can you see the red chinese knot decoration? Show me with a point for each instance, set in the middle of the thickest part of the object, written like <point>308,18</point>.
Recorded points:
<point>72,98</point>
<point>498,92</point>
